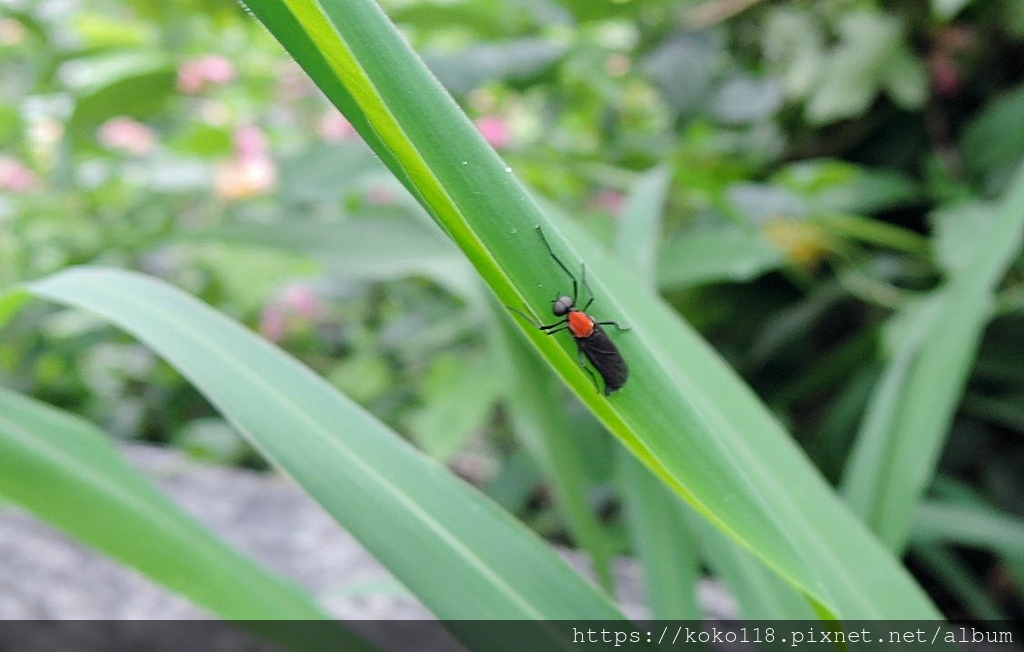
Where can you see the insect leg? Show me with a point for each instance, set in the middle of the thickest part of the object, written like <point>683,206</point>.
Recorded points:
<point>544,327</point>
<point>615,324</point>
<point>549,331</point>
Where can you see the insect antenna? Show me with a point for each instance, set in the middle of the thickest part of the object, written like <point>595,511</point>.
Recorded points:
<point>575,287</point>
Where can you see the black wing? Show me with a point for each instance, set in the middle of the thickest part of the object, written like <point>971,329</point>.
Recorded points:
<point>605,357</point>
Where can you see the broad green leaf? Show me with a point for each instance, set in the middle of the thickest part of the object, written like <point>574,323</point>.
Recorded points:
<point>511,60</point>
<point>684,413</point>
<point>487,20</point>
<point>640,222</point>
<point>115,85</point>
<point>687,56</point>
<point>10,302</point>
<point>871,54</point>
<point>429,528</point>
<point>906,79</point>
<point>759,202</point>
<point>905,428</point>
<point>100,31</point>
<point>794,48</point>
<point>746,99</point>
<point>379,247</point>
<point>666,532</point>
<point>324,172</point>
<point>69,473</point>
<point>11,124</point>
<point>849,74</point>
<point>714,255</point>
<point>992,143</point>
<point>948,9</point>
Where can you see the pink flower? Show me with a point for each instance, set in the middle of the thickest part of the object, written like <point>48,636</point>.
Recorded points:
<point>333,127</point>
<point>196,75</point>
<point>15,177</point>
<point>494,129</point>
<point>241,178</point>
<point>945,74</point>
<point>251,171</point>
<point>12,32</point>
<point>300,299</point>
<point>272,323</point>
<point>380,196</point>
<point>292,305</point>
<point>617,64</point>
<point>943,61</point>
<point>250,142</point>
<point>126,135</point>
<point>609,201</point>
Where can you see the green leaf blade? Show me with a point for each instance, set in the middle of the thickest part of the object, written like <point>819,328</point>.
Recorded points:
<point>899,444</point>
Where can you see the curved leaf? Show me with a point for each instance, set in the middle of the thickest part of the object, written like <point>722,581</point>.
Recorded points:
<point>67,472</point>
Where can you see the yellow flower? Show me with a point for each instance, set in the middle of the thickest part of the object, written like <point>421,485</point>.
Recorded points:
<point>803,243</point>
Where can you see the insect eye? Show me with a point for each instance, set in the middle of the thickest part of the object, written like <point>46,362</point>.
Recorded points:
<point>561,306</point>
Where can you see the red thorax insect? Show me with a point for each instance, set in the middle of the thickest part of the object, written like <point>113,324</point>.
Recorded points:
<point>591,341</point>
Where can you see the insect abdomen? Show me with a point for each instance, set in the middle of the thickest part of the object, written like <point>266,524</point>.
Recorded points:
<point>605,357</point>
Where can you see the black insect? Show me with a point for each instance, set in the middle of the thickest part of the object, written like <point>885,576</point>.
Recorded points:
<point>592,342</point>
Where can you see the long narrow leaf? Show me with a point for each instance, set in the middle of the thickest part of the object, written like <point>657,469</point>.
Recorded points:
<point>684,413</point>
<point>969,525</point>
<point>67,472</point>
<point>903,434</point>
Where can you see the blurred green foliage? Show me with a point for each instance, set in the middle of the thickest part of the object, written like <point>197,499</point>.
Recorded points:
<point>827,163</point>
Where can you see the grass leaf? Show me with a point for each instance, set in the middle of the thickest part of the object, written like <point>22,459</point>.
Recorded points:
<point>68,473</point>
<point>908,419</point>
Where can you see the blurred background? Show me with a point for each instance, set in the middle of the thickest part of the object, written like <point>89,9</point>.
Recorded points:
<point>822,161</point>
